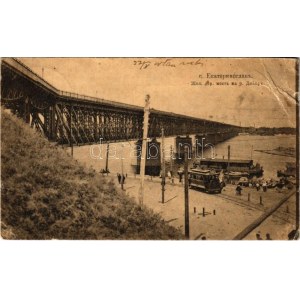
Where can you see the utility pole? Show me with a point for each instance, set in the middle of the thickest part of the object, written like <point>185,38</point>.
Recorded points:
<point>144,150</point>
<point>71,134</point>
<point>228,158</point>
<point>163,175</point>
<point>171,162</point>
<point>122,171</point>
<point>106,163</point>
<point>186,195</point>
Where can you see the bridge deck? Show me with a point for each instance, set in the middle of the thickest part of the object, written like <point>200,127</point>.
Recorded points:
<point>65,117</point>
<point>26,71</point>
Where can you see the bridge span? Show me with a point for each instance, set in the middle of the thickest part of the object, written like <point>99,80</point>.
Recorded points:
<point>69,118</point>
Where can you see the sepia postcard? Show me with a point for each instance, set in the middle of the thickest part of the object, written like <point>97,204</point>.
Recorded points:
<point>140,148</point>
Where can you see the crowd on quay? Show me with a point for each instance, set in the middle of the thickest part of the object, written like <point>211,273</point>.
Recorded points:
<point>262,184</point>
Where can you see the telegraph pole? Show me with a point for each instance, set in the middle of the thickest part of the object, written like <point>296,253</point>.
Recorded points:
<point>122,171</point>
<point>186,195</point>
<point>171,162</point>
<point>163,175</point>
<point>144,150</point>
<point>106,163</point>
<point>71,134</point>
<point>228,158</point>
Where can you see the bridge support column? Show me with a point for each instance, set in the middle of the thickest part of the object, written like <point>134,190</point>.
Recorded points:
<point>26,115</point>
<point>52,129</point>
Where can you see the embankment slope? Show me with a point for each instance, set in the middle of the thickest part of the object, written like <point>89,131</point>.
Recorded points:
<point>46,194</point>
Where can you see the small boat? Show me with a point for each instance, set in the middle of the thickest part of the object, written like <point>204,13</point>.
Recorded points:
<point>289,171</point>
<point>291,180</point>
<point>233,167</point>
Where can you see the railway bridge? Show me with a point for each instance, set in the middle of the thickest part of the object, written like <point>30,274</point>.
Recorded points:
<point>69,118</point>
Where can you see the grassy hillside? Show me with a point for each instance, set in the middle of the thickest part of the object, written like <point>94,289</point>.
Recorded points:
<point>46,194</point>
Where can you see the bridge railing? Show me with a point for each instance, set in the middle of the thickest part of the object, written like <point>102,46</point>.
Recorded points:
<point>22,68</point>
<point>98,100</point>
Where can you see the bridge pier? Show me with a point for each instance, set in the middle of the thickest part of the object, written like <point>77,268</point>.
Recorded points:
<point>26,115</point>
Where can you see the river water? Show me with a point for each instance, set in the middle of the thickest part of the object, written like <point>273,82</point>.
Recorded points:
<point>242,147</point>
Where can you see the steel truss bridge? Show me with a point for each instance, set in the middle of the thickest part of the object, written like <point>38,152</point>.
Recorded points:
<point>69,118</point>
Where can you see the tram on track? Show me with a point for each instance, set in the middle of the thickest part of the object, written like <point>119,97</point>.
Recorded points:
<point>205,180</point>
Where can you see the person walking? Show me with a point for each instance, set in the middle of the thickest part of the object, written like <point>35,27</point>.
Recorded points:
<point>180,174</point>
<point>169,175</point>
<point>119,178</point>
<point>258,237</point>
<point>268,237</point>
<point>257,186</point>
<point>238,190</point>
<point>264,186</point>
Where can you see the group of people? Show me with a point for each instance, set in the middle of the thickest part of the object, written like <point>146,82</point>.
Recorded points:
<point>268,237</point>
<point>258,185</point>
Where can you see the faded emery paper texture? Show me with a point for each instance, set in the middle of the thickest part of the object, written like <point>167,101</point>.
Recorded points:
<point>74,183</point>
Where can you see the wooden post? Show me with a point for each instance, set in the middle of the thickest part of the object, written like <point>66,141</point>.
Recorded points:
<point>71,133</point>
<point>171,161</point>
<point>163,175</point>
<point>203,211</point>
<point>144,145</point>
<point>106,163</point>
<point>122,171</point>
<point>260,200</point>
<point>186,194</point>
<point>297,206</point>
<point>228,158</point>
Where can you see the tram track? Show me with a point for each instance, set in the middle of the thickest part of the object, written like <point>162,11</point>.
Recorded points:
<point>286,217</point>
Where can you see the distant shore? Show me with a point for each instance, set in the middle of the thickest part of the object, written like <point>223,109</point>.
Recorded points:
<point>282,151</point>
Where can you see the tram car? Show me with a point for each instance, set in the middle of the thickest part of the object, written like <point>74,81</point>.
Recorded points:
<point>206,180</point>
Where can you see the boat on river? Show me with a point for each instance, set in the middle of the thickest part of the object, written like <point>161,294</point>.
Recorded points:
<point>235,168</point>
<point>289,171</point>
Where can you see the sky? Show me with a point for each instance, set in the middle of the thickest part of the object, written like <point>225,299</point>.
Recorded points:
<point>260,91</point>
